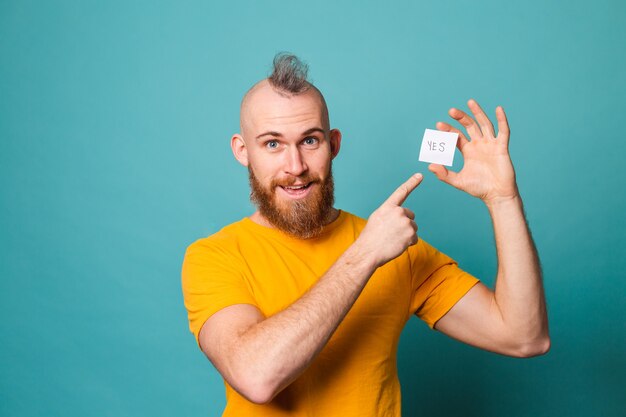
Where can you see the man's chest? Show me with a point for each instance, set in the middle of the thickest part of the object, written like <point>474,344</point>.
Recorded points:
<point>278,275</point>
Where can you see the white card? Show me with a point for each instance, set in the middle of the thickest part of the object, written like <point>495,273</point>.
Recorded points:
<point>438,147</point>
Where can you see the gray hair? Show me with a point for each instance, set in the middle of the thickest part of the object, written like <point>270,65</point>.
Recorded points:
<point>289,74</point>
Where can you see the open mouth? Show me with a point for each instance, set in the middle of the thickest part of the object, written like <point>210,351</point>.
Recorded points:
<point>296,190</point>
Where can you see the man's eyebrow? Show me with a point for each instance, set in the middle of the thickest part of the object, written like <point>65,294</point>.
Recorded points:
<point>269,134</point>
<point>279,135</point>
<point>314,129</point>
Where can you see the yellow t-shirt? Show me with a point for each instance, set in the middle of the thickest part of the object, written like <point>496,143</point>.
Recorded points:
<point>355,373</point>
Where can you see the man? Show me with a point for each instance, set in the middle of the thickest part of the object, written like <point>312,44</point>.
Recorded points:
<point>300,306</point>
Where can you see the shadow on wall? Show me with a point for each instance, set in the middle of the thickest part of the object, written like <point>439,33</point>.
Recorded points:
<point>443,377</point>
<point>440,379</point>
<point>446,378</point>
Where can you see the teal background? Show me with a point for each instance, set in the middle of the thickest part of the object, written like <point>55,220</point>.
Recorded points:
<point>115,119</point>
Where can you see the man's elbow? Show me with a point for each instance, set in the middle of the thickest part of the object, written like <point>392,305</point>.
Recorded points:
<point>533,348</point>
<point>255,389</point>
<point>257,395</point>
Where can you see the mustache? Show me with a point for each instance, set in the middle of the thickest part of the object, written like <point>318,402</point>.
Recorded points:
<point>291,180</point>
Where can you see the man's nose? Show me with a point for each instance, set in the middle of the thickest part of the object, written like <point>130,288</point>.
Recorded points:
<point>295,164</point>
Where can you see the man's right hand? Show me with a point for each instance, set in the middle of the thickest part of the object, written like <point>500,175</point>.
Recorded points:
<point>391,228</point>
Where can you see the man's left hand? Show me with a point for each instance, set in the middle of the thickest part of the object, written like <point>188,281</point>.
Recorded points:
<point>487,171</point>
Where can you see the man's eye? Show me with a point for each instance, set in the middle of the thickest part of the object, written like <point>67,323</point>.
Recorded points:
<point>310,141</point>
<point>272,144</point>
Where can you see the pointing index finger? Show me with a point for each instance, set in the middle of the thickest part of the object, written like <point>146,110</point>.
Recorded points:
<point>403,191</point>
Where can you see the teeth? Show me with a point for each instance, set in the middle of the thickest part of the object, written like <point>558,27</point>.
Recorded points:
<point>296,188</point>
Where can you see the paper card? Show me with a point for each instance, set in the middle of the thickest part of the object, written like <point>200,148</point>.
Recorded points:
<point>438,147</point>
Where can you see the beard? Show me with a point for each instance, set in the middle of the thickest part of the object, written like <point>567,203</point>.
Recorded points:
<point>303,218</point>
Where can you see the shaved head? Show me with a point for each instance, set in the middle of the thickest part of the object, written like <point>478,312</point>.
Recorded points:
<point>263,97</point>
<point>288,79</point>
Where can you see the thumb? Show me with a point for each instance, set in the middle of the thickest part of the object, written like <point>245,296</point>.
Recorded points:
<point>449,177</point>
<point>403,191</point>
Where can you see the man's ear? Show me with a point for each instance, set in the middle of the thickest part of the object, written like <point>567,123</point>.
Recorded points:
<point>335,142</point>
<point>239,149</point>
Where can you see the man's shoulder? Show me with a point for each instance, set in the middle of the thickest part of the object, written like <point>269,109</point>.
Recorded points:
<point>226,237</point>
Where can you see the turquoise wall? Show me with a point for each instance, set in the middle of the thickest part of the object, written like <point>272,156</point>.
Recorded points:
<point>115,119</point>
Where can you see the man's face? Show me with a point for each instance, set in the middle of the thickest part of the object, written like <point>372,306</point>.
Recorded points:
<point>288,148</point>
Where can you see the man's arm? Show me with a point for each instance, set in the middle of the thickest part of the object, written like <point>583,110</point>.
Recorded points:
<point>260,356</point>
<point>511,320</point>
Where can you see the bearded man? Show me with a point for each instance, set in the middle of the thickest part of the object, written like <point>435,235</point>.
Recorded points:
<point>300,306</point>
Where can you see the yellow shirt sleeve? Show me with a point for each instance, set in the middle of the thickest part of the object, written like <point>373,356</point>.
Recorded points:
<point>212,279</point>
<point>438,282</point>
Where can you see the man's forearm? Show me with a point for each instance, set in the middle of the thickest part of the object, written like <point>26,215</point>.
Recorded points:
<point>519,291</point>
<point>278,349</point>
